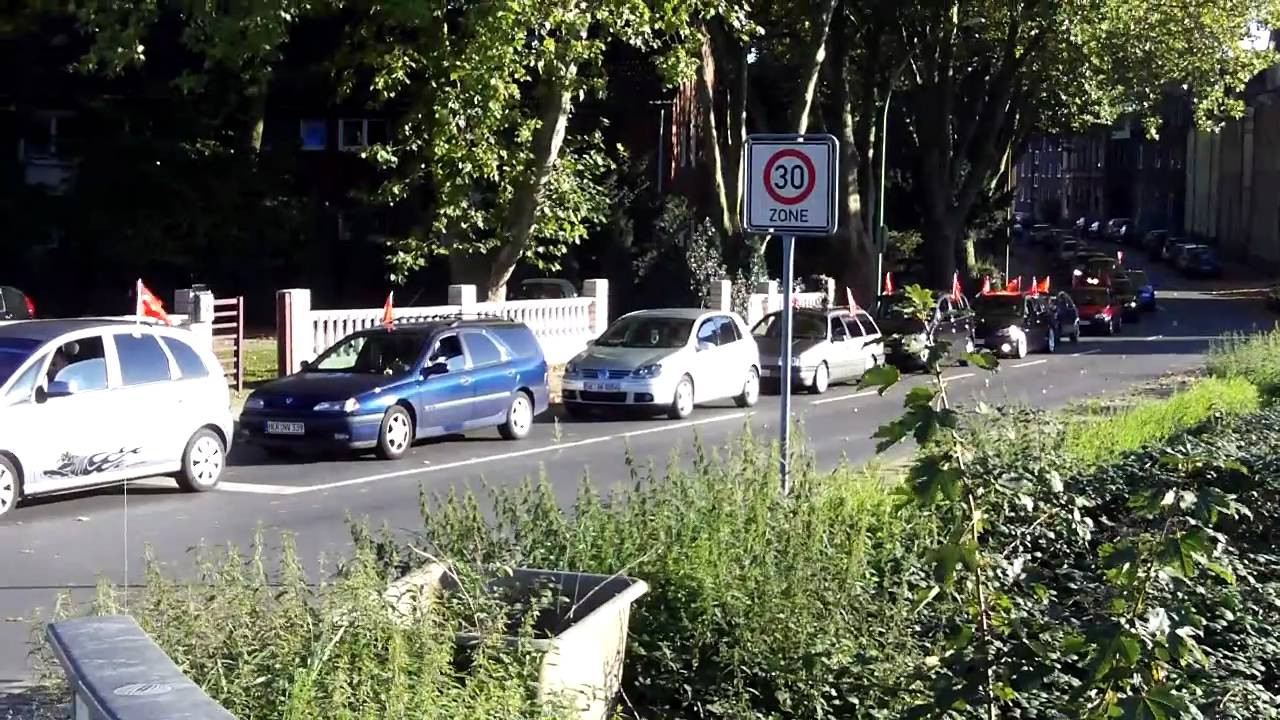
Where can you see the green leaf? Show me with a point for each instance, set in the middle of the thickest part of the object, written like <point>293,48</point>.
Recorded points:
<point>984,359</point>
<point>921,396</point>
<point>1130,649</point>
<point>882,377</point>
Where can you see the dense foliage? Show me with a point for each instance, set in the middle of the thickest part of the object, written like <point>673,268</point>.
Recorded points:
<point>1255,358</point>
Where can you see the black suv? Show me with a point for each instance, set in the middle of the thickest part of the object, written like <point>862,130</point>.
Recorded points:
<point>15,305</point>
<point>906,339</point>
<point>1012,324</point>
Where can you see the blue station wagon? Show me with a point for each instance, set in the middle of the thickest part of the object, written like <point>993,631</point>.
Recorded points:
<point>382,389</point>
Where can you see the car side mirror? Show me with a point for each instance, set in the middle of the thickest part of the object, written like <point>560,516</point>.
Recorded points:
<point>305,365</point>
<point>704,345</point>
<point>41,395</point>
<point>61,388</point>
<point>435,368</point>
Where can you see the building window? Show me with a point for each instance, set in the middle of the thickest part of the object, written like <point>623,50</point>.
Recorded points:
<point>360,133</point>
<point>313,134</point>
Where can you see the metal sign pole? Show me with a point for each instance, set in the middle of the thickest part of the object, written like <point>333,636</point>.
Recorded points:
<point>784,427</point>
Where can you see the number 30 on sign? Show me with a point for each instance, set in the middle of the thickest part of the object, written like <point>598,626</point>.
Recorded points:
<point>791,184</point>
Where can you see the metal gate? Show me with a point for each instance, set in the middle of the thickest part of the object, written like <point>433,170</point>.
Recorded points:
<point>228,338</point>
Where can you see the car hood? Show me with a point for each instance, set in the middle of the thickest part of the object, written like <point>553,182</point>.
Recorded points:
<point>600,357</point>
<point>772,346</point>
<point>318,386</point>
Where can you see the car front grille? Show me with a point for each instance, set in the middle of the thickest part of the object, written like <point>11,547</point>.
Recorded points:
<point>594,374</point>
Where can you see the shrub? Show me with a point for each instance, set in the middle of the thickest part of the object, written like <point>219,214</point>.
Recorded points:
<point>760,605</point>
<point>1103,438</point>
<point>1255,358</point>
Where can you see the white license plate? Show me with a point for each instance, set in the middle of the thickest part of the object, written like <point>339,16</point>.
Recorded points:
<point>602,387</point>
<point>285,428</point>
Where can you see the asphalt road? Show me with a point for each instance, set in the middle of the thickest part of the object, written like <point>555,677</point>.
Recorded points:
<point>72,541</point>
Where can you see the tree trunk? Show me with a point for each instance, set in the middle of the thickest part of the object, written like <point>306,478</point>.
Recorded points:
<point>811,65</point>
<point>555,103</point>
<point>941,239</point>
<point>853,247</point>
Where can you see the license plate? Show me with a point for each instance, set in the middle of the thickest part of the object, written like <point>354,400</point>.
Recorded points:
<point>602,386</point>
<point>286,428</point>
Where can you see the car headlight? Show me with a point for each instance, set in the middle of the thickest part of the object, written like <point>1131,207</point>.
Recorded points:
<point>572,369</point>
<point>648,371</point>
<point>349,405</point>
<point>254,403</point>
<point>1132,303</point>
<point>1015,332</point>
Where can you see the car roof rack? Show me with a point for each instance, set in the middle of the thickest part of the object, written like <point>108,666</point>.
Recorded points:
<point>455,317</point>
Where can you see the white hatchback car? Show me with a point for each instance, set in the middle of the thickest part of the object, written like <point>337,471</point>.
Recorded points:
<point>666,360</point>
<point>85,403</point>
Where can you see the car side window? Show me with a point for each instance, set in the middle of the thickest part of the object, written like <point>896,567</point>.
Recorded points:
<point>25,385</point>
<point>189,362</point>
<point>82,362</point>
<point>838,329</point>
<point>483,351</point>
<point>944,308</point>
<point>727,331</point>
<point>448,350</point>
<point>142,360</point>
<point>708,331</point>
<point>868,324</point>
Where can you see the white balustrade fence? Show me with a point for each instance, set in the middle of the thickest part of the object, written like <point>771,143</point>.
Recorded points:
<point>767,299</point>
<point>563,327</point>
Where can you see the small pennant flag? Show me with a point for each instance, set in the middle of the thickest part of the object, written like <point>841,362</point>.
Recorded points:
<point>147,304</point>
<point>1035,284</point>
<point>1015,285</point>
<point>986,284</point>
<point>388,314</point>
<point>1120,256</point>
<point>888,283</point>
<point>853,304</point>
<point>957,292</point>
<point>1044,285</point>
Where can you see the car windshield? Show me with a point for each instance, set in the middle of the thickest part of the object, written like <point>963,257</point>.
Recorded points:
<point>894,317</point>
<point>648,331</point>
<point>999,308</point>
<point>1138,278</point>
<point>383,353</point>
<point>804,325</point>
<point>1090,296</point>
<point>14,352</point>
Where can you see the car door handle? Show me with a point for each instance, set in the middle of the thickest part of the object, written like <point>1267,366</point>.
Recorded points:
<point>465,381</point>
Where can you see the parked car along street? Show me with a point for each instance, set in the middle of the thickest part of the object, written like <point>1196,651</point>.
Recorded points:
<point>907,339</point>
<point>1067,317</point>
<point>15,304</point>
<point>1153,242</point>
<point>1013,324</point>
<point>87,403</point>
<point>665,360</point>
<point>828,346</point>
<point>383,389</point>
<point>1143,290</point>
<point>1200,261</point>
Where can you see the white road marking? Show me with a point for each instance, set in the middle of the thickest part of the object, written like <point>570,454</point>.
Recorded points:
<point>961,376</point>
<point>1153,337</point>
<point>1029,363</point>
<point>295,490</point>
<point>824,401</point>
<point>1087,352</point>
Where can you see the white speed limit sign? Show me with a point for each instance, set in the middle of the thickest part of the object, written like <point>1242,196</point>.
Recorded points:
<point>791,184</point>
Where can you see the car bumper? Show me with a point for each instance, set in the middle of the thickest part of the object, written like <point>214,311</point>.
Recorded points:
<point>802,375</point>
<point>656,391</point>
<point>344,432</point>
<point>1001,345</point>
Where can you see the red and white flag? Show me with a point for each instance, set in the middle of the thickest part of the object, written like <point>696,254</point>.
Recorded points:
<point>1120,256</point>
<point>388,311</point>
<point>1014,286</point>
<point>146,304</point>
<point>853,304</point>
<point>1044,285</point>
<point>957,292</point>
<point>986,284</point>
<point>888,283</point>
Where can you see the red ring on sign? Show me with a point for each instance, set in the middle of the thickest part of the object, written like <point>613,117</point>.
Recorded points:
<point>808,166</point>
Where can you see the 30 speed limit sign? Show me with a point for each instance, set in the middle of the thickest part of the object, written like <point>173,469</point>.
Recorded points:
<point>791,184</point>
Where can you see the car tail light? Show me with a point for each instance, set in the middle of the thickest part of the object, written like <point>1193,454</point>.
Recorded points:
<point>31,306</point>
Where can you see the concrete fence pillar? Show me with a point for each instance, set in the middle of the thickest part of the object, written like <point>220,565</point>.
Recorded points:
<point>462,295</point>
<point>295,336</point>
<point>767,287</point>
<point>598,288</point>
<point>829,290</point>
<point>721,297</point>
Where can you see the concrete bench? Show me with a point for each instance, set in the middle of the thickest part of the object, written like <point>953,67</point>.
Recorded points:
<point>117,672</point>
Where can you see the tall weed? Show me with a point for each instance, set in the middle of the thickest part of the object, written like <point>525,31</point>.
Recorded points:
<point>1254,357</point>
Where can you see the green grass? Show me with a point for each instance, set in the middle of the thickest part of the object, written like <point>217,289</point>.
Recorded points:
<point>259,360</point>
<point>1255,358</point>
<point>1103,436</point>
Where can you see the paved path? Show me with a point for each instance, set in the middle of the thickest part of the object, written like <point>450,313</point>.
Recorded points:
<point>71,542</point>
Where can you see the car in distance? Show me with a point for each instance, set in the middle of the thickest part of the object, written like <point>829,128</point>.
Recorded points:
<point>382,389</point>
<point>1066,316</point>
<point>665,360</point>
<point>15,304</point>
<point>544,289</point>
<point>1200,261</point>
<point>1012,324</point>
<point>88,403</point>
<point>1114,229</point>
<point>907,339</point>
<point>1153,242</point>
<point>828,346</point>
<point>1126,297</point>
<point>1143,290</point>
<point>1098,308</point>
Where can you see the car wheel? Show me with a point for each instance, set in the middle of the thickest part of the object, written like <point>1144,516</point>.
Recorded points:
<point>1051,345</point>
<point>519,418</point>
<point>682,402</point>
<point>1075,336</point>
<point>202,462</point>
<point>1020,348</point>
<point>1111,327</point>
<point>821,379</point>
<point>10,486</point>
<point>396,434</point>
<point>750,390</point>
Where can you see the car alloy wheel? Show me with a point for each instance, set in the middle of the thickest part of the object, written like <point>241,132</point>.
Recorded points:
<point>750,390</point>
<point>203,461</point>
<point>8,486</point>
<point>682,403</point>
<point>821,379</point>
<point>519,418</point>
<point>1020,348</point>
<point>396,434</point>
<point>1053,341</point>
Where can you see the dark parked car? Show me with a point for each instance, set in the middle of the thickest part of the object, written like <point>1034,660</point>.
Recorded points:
<point>1098,308</point>
<point>1013,324</point>
<point>1182,254</point>
<point>1115,228</point>
<point>907,339</point>
<point>382,389</point>
<point>1200,261</point>
<point>15,305</point>
<point>1142,289</point>
<point>1153,242</point>
<point>1067,316</point>
<point>1126,296</point>
<point>1173,247</point>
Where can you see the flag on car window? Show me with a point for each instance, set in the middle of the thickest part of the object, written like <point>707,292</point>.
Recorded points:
<point>888,283</point>
<point>853,304</point>
<point>388,311</point>
<point>986,284</point>
<point>148,305</point>
<point>1044,285</point>
<point>956,291</point>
